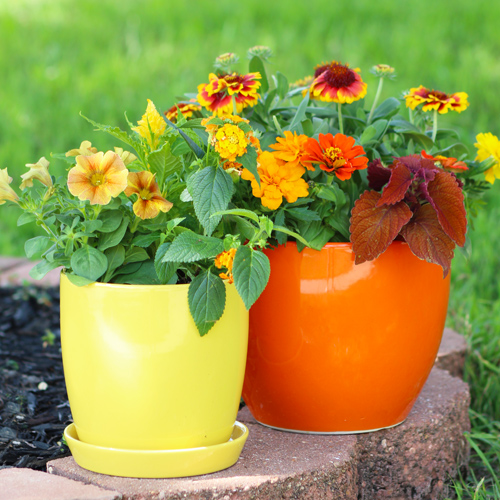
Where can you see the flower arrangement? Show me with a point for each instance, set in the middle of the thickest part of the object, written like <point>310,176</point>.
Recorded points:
<point>251,161</point>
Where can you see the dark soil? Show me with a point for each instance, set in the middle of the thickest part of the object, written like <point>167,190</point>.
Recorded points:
<point>34,407</point>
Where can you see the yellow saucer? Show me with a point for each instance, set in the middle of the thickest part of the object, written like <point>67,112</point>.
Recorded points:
<point>157,463</point>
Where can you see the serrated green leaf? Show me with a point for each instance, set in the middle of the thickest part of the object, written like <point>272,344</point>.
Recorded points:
<point>163,163</point>
<point>207,300</point>
<point>211,189</point>
<point>89,263</point>
<point>249,161</point>
<point>257,66</point>
<point>191,247</point>
<point>111,220</point>
<point>251,271</point>
<point>36,245</point>
<point>165,270</point>
<point>108,240</point>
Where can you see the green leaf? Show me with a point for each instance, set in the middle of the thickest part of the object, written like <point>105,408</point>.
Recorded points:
<point>425,141</point>
<point>207,300</point>
<point>249,161</point>
<point>192,145</point>
<point>111,220</point>
<point>89,263</point>
<point>245,228</point>
<point>38,271</point>
<point>165,270</point>
<point>388,108</point>
<point>116,257</point>
<point>144,240</point>
<point>257,66</point>
<point>240,211</point>
<point>282,84</point>
<point>90,226</point>
<point>303,214</point>
<point>35,245</point>
<point>299,115</point>
<point>251,270</point>
<point>163,163</point>
<point>78,280</point>
<point>279,221</point>
<point>144,275</point>
<point>108,240</point>
<point>308,127</point>
<point>25,218</point>
<point>211,189</point>
<point>191,247</point>
<point>297,236</point>
<point>315,233</point>
<point>367,135</point>
<point>136,255</point>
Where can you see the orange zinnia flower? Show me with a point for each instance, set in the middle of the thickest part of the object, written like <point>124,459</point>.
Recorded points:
<point>216,96</point>
<point>336,82</point>
<point>435,99</point>
<point>149,199</point>
<point>336,154</point>
<point>448,163</point>
<point>276,181</point>
<point>186,108</point>
<point>98,177</point>
<point>291,149</point>
<point>225,259</point>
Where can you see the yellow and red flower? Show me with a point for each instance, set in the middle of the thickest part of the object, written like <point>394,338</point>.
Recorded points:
<point>488,146</point>
<point>149,199</point>
<point>447,163</point>
<point>186,108</point>
<point>217,95</point>
<point>291,149</point>
<point>6,192</point>
<point>151,126</point>
<point>336,154</point>
<point>225,259</point>
<point>336,82</point>
<point>98,177</point>
<point>39,171</point>
<point>276,181</point>
<point>436,100</point>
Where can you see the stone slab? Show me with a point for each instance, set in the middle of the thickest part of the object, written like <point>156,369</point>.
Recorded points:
<point>19,274</point>
<point>9,262</point>
<point>452,351</point>
<point>414,460</point>
<point>28,484</point>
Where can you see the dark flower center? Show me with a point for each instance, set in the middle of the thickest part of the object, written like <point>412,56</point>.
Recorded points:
<point>338,75</point>
<point>233,79</point>
<point>440,96</point>
<point>320,69</point>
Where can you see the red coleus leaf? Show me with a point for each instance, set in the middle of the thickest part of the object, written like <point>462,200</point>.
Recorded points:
<point>378,175</point>
<point>416,163</point>
<point>447,199</point>
<point>427,240</point>
<point>399,183</point>
<point>373,228</point>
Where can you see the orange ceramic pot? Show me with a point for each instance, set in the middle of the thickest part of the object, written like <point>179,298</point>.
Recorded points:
<point>341,348</point>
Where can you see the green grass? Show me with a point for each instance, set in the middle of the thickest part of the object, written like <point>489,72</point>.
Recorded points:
<point>104,57</point>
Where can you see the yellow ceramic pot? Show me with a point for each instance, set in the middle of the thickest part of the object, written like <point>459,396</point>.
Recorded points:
<point>138,374</point>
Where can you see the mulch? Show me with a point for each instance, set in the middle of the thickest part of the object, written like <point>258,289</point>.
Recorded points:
<point>34,407</point>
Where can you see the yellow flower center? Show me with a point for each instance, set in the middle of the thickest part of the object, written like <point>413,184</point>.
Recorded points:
<point>145,194</point>
<point>335,156</point>
<point>97,179</point>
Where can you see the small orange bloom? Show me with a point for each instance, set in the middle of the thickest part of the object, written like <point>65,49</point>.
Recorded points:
<point>435,99</point>
<point>336,154</point>
<point>225,259</point>
<point>336,82</point>
<point>149,199</point>
<point>291,149</point>
<point>448,163</point>
<point>216,96</point>
<point>276,181</point>
<point>98,177</point>
<point>186,108</point>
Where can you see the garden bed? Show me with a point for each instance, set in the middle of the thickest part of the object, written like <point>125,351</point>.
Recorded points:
<point>34,407</point>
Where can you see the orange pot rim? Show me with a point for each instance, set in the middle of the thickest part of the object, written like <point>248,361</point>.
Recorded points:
<point>334,244</point>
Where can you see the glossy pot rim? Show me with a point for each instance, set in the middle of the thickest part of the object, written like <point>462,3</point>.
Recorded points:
<point>333,245</point>
<point>117,286</point>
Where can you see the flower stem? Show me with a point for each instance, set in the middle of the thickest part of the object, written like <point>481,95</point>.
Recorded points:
<point>134,225</point>
<point>435,125</point>
<point>235,111</point>
<point>377,97</point>
<point>341,123</point>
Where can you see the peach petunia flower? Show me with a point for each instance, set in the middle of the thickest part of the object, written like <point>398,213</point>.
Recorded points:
<point>98,177</point>
<point>336,154</point>
<point>39,171</point>
<point>126,156</point>
<point>149,199</point>
<point>151,126</point>
<point>276,181</point>
<point>85,149</point>
<point>6,192</point>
